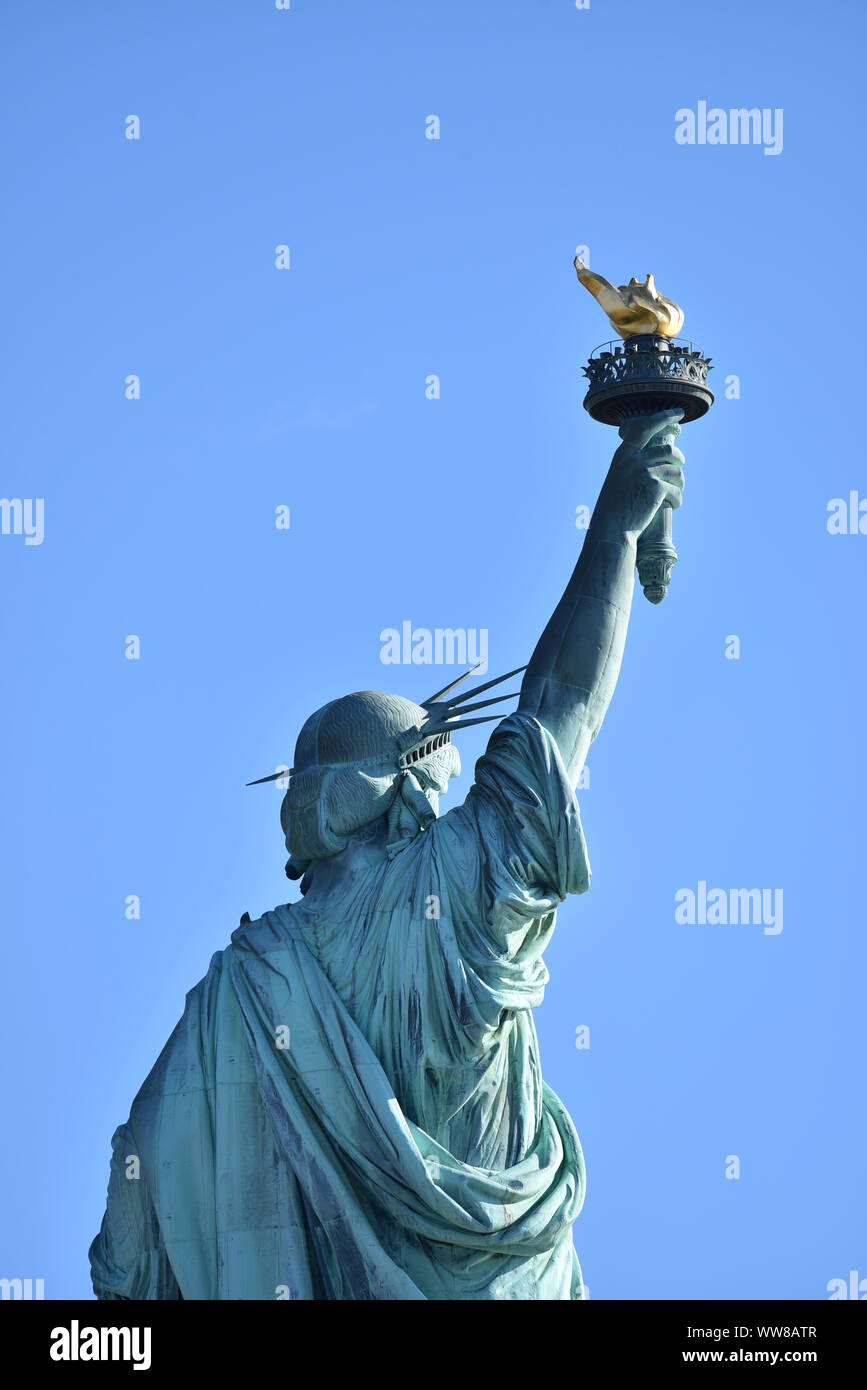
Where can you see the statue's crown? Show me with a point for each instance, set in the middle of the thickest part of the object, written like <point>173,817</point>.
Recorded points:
<point>354,753</point>
<point>371,727</point>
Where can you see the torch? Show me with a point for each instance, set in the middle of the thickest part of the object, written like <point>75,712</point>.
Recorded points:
<point>649,369</point>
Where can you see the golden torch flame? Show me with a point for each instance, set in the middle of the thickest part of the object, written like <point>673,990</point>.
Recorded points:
<point>633,308</point>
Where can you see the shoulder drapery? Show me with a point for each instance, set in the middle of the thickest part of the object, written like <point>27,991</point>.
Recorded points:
<point>271,1171</point>
<point>276,1156</point>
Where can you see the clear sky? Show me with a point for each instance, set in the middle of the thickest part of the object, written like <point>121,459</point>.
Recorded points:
<point>305,388</point>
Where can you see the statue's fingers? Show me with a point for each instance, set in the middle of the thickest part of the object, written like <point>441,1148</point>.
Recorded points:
<point>639,429</point>
<point>669,473</point>
<point>671,479</point>
<point>666,429</point>
<point>654,454</point>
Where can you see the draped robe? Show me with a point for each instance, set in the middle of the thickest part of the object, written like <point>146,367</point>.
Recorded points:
<point>351,1106</point>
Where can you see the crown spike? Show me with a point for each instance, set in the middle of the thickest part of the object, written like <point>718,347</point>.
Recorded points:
<point>464,724</point>
<point>273,777</point>
<point>455,713</point>
<point>468,694</point>
<point>447,689</point>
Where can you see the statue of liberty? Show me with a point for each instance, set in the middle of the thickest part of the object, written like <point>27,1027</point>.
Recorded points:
<point>352,1106</point>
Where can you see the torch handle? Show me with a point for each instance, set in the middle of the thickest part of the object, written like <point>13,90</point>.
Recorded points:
<point>656,555</point>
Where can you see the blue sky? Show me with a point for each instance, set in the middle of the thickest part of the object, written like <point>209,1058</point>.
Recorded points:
<point>306,388</point>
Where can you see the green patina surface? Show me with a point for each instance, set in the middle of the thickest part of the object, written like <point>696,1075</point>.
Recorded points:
<point>352,1106</point>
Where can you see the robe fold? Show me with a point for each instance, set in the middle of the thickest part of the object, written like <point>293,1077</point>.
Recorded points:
<point>351,1106</point>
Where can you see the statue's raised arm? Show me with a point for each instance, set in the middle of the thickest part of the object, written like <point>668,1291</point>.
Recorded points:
<point>572,673</point>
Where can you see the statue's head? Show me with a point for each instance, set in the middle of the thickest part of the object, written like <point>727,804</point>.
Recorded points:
<point>368,756</point>
<point>355,759</point>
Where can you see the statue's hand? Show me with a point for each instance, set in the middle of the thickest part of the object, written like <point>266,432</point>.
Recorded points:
<point>646,471</point>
